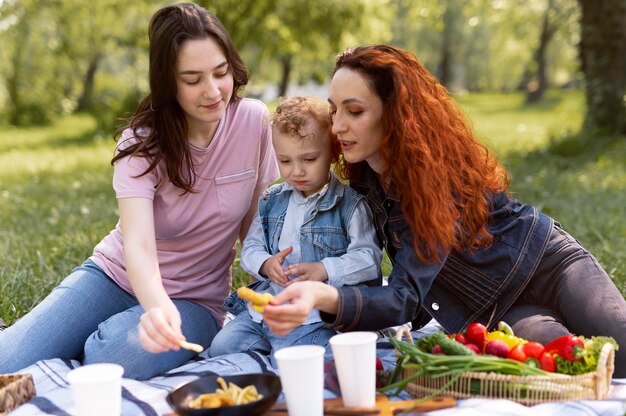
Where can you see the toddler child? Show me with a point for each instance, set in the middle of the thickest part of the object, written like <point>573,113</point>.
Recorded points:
<point>310,227</point>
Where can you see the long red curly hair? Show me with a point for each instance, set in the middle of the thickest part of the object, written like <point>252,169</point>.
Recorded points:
<point>443,173</point>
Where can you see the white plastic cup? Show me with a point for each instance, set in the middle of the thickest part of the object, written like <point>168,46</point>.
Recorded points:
<point>97,389</point>
<point>301,370</point>
<point>355,359</point>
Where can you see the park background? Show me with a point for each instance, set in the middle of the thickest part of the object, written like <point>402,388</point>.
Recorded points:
<point>542,81</point>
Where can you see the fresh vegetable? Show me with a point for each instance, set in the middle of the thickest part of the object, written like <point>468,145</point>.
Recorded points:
<point>532,362</point>
<point>458,338</point>
<point>517,353</point>
<point>547,362</point>
<point>569,347</point>
<point>589,359</point>
<point>473,348</point>
<point>382,375</point>
<point>437,349</point>
<point>533,349</point>
<point>412,357</point>
<point>506,328</point>
<point>449,346</point>
<point>498,348</point>
<point>476,333</point>
<point>510,340</point>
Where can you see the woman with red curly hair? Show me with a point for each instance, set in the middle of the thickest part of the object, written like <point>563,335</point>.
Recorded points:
<point>463,250</point>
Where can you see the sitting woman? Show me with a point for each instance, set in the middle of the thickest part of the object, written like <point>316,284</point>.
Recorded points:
<point>189,168</point>
<point>462,248</point>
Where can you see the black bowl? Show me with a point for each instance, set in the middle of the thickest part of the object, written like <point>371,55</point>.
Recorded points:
<point>266,384</point>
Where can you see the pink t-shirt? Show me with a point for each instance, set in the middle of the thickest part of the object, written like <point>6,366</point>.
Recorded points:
<point>196,232</point>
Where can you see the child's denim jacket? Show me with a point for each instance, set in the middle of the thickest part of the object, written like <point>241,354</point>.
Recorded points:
<point>323,233</point>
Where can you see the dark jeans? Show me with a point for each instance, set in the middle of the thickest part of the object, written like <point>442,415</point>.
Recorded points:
<point>570,293</point>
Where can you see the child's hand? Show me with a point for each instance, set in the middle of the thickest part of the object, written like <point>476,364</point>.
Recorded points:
<point>272,268</point>
<point>307,271</point>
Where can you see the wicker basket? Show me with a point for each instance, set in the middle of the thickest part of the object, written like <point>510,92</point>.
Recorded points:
<point>15,390</point>
<point>527,390</point>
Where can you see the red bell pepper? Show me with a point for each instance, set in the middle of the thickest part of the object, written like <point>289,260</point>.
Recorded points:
<point>569,347</point>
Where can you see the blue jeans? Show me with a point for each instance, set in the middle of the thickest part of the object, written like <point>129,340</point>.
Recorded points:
<point>89,317</point>
<point>570,293</point>
<point>243,334</point>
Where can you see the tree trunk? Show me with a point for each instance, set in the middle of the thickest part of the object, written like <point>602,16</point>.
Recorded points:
<point>13,78</point>
<point>535,92</point>
<point>603,61</point>
<point>285,65</point>
<point>85,101</point>
<point>450,45</point>
<point>445,64</point>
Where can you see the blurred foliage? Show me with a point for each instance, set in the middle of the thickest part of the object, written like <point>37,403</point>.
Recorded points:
<point>63,56</point>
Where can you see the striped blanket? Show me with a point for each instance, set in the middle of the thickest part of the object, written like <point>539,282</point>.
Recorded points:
<point>148,397</point>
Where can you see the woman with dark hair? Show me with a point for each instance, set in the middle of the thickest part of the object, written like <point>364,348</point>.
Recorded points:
<point>463,250</point>
<point>188,170</point>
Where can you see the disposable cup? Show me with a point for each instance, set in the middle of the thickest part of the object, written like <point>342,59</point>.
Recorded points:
<point>301,370</point>
<point>355,360</point>
<point>97,389</point>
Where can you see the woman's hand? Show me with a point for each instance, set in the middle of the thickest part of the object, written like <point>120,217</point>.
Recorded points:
<point>290,308</point>
<point>160,328</point>
<point>272,268</point>
<point>306,271</point>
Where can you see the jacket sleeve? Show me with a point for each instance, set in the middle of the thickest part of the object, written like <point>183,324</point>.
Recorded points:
<point>363,258</point>
<point>373,308</point>
<point>253,250</point>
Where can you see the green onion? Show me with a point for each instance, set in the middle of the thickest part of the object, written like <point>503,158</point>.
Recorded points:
<point>437,365</point>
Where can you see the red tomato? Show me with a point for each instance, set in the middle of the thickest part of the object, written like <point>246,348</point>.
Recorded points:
<point>547,363</point>
<point>517,353</point>
<point>476,333</point>
<point>533,349</point>
<point>460,338</point>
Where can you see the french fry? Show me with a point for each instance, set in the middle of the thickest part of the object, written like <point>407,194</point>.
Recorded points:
<point>258,300</point>
<point>226,395</point>
<point>191,346</point>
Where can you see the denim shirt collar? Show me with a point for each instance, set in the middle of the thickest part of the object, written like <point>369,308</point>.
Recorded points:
<point>329,194</point>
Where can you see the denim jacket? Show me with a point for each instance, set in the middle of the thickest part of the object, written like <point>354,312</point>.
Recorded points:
<point>336,230</point>
<point>462,287</point>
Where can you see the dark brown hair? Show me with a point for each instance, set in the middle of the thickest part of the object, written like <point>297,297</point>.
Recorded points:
<point>443,173</point>
<point>159,122</point>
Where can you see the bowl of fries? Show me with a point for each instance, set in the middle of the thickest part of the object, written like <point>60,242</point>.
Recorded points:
<point>237,395</point>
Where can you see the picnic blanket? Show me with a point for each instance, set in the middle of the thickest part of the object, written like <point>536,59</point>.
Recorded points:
<point>148,397</point>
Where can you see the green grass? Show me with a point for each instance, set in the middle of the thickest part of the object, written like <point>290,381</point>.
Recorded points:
<point>57,200</point>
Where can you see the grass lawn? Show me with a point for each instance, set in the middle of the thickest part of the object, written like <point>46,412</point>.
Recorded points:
<point>57,200</point>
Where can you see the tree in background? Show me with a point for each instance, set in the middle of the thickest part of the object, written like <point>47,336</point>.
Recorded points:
<point>55,52</point>
<point>451,44</point>
<point>603,60</point>
<point>29,67</point>
<point>294,36</point>
<point>63,55</point>
<point>557,17</point>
